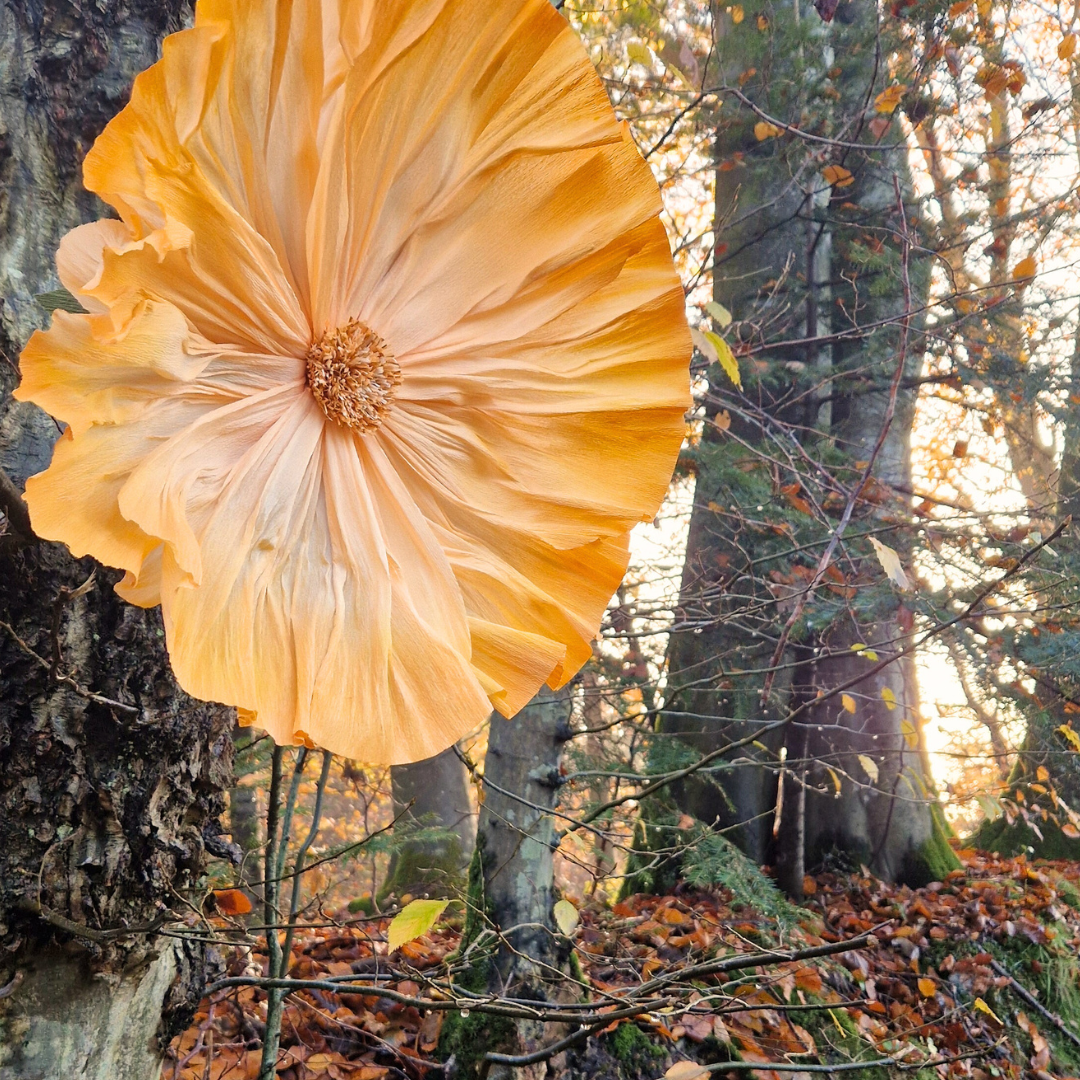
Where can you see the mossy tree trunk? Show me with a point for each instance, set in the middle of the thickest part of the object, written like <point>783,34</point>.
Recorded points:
<point>111,779</point>
<point>797,261</point>
<point>434,795</point>
<point>512,885</point>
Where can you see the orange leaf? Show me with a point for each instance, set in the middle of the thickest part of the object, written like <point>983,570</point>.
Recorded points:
<point>1067,46</point>
<point>889,98</point>
<point>763,131</point>
<point>1025,269</point>
<point>231,902</point>
<point>837,176</point>
<point>927,987</point>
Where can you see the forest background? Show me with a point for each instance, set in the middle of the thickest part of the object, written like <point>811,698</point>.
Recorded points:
<point>850,637</point>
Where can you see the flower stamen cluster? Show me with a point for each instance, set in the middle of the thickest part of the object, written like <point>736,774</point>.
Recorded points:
<point>353,375</point>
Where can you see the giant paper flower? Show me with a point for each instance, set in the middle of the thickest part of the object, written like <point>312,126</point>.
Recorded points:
<point>384,358</point>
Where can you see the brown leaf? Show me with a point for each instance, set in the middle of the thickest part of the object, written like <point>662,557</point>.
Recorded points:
<point>231,902</point>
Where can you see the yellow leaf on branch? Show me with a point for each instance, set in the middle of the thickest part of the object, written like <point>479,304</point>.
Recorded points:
<point>837,176</point>
<point>887,101</point>
<point>1025,269</point>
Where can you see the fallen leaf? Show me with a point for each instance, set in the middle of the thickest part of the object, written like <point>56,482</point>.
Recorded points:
<point>231,902</point>
<point>685,1070</point>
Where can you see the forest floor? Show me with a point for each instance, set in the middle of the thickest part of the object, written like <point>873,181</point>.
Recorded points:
<point>976,976</point>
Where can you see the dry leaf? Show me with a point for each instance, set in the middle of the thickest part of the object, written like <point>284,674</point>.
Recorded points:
<point>890,563</point>
<point>889,98</point>
<point>686,1070</point>
<point>231,902</point>
<point>837,176</point>
<point>869,767</point>
<point>1025,269</point>
<point>566,917</point>
<point>717,351</point>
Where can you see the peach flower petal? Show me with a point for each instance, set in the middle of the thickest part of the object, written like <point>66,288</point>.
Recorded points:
<point>321,603</point>
<point>448,176</point>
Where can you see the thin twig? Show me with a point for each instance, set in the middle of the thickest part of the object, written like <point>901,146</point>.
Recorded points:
<point>15,510</point>
<point>67,680</point>
<point>1029,998</point>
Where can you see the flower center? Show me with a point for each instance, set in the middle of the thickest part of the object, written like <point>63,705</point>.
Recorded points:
<point>353,375</point>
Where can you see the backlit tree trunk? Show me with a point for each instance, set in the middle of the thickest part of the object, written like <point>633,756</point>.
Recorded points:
<point>789,266</point>
<point>111,779</point>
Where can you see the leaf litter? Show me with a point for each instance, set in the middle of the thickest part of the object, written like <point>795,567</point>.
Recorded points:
<point>972,977</point>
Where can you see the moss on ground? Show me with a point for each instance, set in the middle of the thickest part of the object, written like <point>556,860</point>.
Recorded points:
<point>633,1049</point>
<point>1002,838</point>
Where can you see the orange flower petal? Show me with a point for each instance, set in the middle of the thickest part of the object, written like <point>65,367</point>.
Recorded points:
<point>211,166</point>
<point>512,664</point>
<point>81,257</point>
<point>447,172</point>
<point>84,371</point>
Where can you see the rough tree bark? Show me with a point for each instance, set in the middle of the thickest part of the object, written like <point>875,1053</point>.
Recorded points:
<point>111,778</point>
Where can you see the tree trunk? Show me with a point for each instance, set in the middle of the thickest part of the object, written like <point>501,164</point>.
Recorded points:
<point>512,885</point>
<point>789,267</point>
<point>432,794</point>
<point>111,779</point>
<point>244,818</point>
